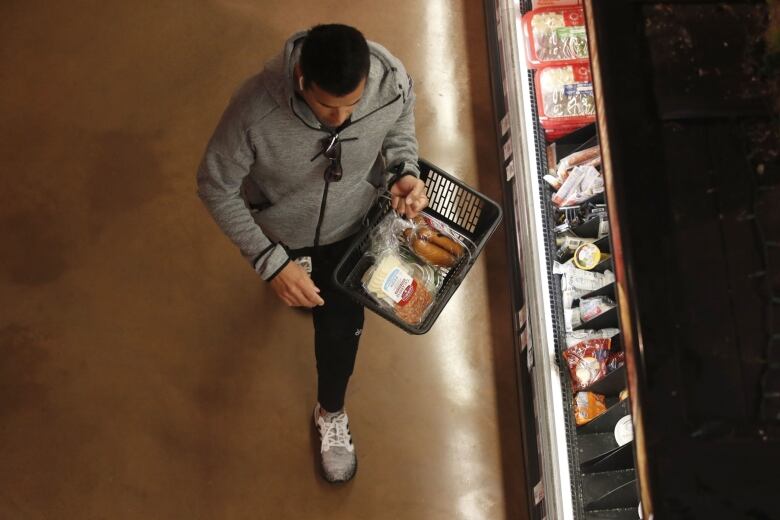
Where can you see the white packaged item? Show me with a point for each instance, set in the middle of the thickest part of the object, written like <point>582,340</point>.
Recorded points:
<point>624,430</point>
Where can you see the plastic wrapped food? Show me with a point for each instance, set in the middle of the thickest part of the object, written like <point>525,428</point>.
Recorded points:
<point>587,362</point>
<point>564,96</point>
<point>624,430</point>
<point>615,361</point>
<point>433,243</point>
<point>588,406</point>
<point>581,184</point>
<point>555,35</point>
<point>396,279</point>
<point>575,282</point>
<point>591,308</point>
<point>588,256</point>
<point>571,318</point>
<point>409,261</point>
<point>578,336</point>
<point>589,157</point>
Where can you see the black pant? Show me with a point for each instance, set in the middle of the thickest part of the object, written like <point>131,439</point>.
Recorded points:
<point>338,326</point>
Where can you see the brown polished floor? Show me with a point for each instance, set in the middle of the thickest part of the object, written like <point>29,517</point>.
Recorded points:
<point>145,371</point>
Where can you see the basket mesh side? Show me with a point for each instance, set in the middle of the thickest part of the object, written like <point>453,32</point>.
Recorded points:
<point>452,202</point>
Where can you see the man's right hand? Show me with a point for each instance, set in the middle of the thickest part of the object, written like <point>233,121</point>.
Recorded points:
<point>295,287</point>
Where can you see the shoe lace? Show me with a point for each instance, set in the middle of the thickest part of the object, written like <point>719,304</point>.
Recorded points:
<point>336,434</point>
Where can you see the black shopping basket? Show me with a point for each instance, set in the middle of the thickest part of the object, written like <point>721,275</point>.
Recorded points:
<point>449,200</point>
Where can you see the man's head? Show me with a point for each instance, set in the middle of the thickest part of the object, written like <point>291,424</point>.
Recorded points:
<point>332,71</point>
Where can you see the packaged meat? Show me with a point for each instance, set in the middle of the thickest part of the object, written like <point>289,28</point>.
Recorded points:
<point>586,156</point>
<point>582,183</point>
<point>578,336</point>
<point>555,35</point>
<point>588,406</point>
<point>615,361</point>
<point>564,96</point>
<point>587,362</point>
<point>395,283</point>
<point>434,242</point>
<point>590,308</point>
<point>408,262</point>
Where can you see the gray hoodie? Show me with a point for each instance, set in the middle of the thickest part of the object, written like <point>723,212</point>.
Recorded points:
<point>261,177</point>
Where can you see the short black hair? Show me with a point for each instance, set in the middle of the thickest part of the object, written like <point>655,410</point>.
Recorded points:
<point>335,57</point>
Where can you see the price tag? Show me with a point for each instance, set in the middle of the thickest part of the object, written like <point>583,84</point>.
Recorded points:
<point>538,492</point>
<point>522,316</point>
<point>507,149</point>
<point>504,125</point>
<point>510,169</point>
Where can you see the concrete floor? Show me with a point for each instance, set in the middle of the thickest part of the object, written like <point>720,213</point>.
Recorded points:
<point>145,371</point>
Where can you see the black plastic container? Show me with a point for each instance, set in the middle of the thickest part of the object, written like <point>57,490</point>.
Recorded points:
<point>449,200</point>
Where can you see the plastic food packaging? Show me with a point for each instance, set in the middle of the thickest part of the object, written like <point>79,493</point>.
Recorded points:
<point>590,308</point>
<point>576,283</point>
<point>588,256</point>
<point>587,156</point>
<point>582,183</point>
<point>588,406</point>
<point>434,243</point>
<point>554,3</point>
<point>571,318</point>
<point>564,96</point>
<point>624,394</point>
<point>624,430</point>
<point>578,336</point>
<point>615,361</point>
<point>397,280</point>
<point>408,263</point>
<point>587,362</point>
<point>555,35</point>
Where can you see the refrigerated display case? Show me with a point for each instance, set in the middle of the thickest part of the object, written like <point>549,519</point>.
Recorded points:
<point>688,124</point>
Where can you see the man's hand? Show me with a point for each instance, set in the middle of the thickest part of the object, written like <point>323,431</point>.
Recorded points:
<point>408,196</point>
<point>295,287</point>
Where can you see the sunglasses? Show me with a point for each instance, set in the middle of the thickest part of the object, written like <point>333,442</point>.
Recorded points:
<point>331,149</point>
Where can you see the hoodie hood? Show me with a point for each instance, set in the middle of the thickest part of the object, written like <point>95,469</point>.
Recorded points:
<point>384,83</point>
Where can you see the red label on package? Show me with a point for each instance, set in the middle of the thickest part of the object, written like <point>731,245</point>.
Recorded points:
<point>573,18</point>
<point>408,293</point>
<point>581,73</point>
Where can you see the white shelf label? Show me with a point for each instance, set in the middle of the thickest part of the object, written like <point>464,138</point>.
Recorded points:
<point>538,492</point>
<point>510,169</point>
<point>507,149</point>
<point>521,318</point>
<point>504,125</point>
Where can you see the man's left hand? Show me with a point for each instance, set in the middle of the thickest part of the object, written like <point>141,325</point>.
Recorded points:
<point>407,196</point>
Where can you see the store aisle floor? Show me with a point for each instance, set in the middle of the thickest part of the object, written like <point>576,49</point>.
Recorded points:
<point>145,371</point>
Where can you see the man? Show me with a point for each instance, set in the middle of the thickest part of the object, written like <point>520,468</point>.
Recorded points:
<point>300,155</point>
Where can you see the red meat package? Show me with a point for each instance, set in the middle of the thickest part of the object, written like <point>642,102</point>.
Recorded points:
<point>587,362</point>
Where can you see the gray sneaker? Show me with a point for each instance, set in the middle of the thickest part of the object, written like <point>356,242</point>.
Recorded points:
<point>337,453</point>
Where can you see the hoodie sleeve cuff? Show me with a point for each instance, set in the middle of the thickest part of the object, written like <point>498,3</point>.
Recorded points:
<point>402,170</point>
<point>270,264</point>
